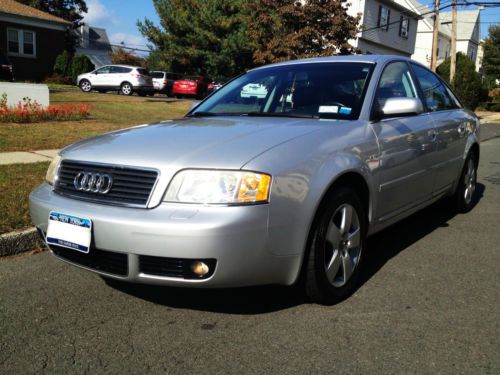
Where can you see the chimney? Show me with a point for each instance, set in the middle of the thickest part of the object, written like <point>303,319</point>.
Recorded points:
<point>84,36</point>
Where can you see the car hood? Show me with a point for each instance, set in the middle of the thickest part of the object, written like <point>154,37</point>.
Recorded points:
<point>221,142</point>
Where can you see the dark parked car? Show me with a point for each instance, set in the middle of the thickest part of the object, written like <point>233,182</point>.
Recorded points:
<point>5,68</point>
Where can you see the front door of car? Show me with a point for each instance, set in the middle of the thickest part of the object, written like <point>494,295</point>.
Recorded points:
<point>102,77</point>
<point>407,145</point>
<point>451,123</point>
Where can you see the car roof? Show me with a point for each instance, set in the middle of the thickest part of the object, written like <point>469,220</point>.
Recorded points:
<point>350,58</point>
<point>125,66</point>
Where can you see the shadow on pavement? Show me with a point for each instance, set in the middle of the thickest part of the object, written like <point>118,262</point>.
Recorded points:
<point>382,247</point>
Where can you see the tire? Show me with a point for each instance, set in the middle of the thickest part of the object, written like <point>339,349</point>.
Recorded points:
<point>126,89</point>
<point>335,256</point>
<point>101,91</point>
<point>465,198</point>
<point>85,85</point>
<point>178,96</point>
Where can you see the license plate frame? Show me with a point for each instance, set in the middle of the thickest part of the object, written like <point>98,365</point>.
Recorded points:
<point>69,231</point>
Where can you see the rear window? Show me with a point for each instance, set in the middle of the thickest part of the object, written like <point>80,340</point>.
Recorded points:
<point>142,72</point>
<point>157,74</point>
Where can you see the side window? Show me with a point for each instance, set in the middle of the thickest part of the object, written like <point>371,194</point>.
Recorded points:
<point>395,82</point>
<point>103,70</point>
<point>435,93</point>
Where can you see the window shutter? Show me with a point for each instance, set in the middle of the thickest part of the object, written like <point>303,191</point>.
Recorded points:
<point>388,19</point>
<point>379,15</point>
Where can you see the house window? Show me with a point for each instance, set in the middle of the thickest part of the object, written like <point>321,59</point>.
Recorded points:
<point>383,18</point>
<point>21,42</point>
<point>404,27</point>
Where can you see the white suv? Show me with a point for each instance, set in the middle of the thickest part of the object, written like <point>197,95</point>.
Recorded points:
<point>124,78</point>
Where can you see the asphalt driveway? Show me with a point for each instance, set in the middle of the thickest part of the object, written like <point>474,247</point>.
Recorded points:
<point>429,303</point>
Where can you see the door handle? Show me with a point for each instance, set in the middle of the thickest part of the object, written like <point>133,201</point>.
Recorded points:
<point>461,128</point>
<point>433,135</point>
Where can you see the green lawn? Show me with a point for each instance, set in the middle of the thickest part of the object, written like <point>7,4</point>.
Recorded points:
<point>16,183</point>
<point>109,112</point>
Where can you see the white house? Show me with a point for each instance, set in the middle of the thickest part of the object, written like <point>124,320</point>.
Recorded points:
<point>388,27</point>
<point>468,33</point>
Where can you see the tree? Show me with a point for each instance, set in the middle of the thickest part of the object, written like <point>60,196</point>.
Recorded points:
<point>491,56</point>
<point>70,10</point>
<point>79,65</point>
<point>285,29</point>
<point>467,83</point>
<point>120,56</point>
<point>201,37</point>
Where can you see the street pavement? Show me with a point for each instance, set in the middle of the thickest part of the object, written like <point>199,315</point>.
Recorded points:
<point>428,303</point>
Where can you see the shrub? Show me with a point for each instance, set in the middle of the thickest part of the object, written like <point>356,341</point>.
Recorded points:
<point>29,111</point>
<point>63,64</point>
<point>80,64</point>
<point>467,83</point>
<point>58,78</point>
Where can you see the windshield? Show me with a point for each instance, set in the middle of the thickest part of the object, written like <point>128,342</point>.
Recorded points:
<point>331,90</point>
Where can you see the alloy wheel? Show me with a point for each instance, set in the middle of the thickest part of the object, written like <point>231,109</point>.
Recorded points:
<point>126,89</point>
<point>469,182</point>
<point>86,86</point>
<point>343,238</point>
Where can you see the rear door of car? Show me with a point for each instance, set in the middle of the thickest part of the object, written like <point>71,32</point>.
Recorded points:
<point>118,75</point>
<point>407,145</point>
<point>451,123</point>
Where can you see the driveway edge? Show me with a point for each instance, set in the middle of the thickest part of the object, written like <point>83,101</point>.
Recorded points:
<point>19,242</point>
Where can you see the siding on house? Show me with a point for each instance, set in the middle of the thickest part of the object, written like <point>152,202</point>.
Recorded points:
<point>378,40</point>
<point>48,44</point>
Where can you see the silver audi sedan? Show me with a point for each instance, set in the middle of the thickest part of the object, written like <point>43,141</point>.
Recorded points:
<point>278,187</point>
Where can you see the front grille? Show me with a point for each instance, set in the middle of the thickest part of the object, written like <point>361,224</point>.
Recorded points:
<point>99,260</point>
<point>172,267</point>
<point>131,186</point>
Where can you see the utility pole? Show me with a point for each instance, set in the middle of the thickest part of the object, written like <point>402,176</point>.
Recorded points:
<point>453,57</point>
<point>435,32</point>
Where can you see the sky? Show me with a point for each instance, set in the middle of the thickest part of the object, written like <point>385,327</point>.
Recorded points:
<point>119,18</point>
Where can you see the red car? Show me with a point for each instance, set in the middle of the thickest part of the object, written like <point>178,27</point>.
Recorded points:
<point>191,86</point>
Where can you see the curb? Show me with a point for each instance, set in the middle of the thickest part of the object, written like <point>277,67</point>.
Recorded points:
<point>19,242</point>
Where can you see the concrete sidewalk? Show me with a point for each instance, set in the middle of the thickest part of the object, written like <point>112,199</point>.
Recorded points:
<point>25,157</point>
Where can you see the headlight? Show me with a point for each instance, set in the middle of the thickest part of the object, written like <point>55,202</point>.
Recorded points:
<point>51,175</point>
<point>223,187</point>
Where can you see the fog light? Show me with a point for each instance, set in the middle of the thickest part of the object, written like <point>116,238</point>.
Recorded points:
<point>199,268</point>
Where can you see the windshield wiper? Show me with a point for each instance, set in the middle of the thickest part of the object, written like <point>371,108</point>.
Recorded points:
<point>202,114</point>
<point>278,114</point>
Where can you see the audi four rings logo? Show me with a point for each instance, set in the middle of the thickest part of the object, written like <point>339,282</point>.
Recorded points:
<point>93,182</point>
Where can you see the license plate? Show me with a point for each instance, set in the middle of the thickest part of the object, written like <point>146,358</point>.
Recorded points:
<point>69,231</point>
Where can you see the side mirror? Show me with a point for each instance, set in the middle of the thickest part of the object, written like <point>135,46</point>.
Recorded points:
<point>194,104</point>
<point>395,107</point>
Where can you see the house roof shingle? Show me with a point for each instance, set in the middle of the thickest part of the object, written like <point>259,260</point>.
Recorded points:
<point>18,9</point>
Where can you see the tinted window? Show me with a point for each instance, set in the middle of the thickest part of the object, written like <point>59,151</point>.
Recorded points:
<point>120,69</point>
<point>103,70</point>
<point>142,72</point>
<point>333,90</point>
<point>395,82</point>
<point>435,93</point>
<point>157,74</point>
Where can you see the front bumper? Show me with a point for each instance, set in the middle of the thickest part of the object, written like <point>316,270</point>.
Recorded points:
<point>236,236</point>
